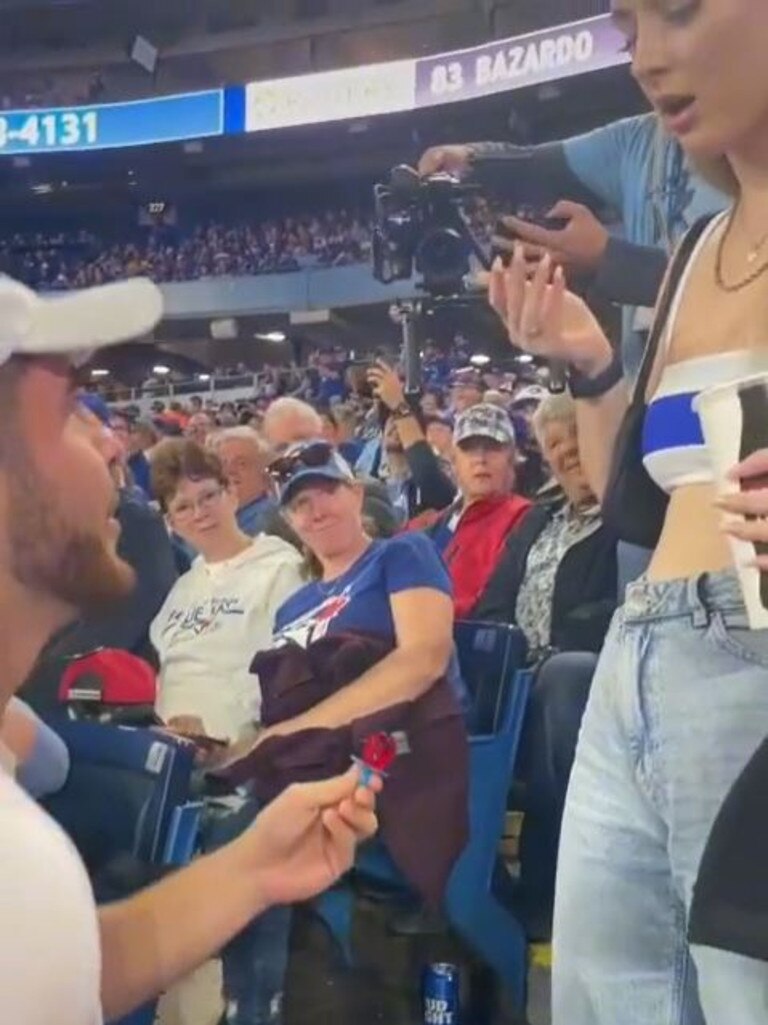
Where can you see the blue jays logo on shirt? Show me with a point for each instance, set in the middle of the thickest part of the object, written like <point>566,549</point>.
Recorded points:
<point>314,624</point>
<point>204,617</point>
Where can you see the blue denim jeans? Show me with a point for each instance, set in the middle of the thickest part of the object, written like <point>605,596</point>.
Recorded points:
<point>254,963</point>
<point>678,704</point>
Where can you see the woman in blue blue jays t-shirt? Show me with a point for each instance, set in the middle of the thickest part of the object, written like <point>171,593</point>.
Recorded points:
<point>396,588</point>
<point>399,590</point>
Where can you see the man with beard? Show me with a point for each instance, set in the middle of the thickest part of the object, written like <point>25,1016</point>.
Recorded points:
<point>143,543</point>
<point>63,960</point>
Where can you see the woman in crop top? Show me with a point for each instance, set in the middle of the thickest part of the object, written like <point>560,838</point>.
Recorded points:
<point>680,700</point>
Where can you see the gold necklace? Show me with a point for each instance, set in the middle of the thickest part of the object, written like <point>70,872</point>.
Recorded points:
<point>752,256</point>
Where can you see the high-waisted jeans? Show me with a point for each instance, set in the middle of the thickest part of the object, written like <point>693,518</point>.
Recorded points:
<point>678,704</point>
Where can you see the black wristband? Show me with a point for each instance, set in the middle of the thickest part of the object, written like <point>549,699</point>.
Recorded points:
<point>584,387</point>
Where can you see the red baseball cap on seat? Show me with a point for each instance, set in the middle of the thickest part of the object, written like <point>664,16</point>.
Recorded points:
<point>109,677</point>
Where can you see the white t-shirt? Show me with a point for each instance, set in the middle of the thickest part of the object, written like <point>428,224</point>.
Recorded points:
<point>213,622</point>
<point>50,958</point>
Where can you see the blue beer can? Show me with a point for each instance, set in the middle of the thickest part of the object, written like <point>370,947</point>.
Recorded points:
<point>440,994</point>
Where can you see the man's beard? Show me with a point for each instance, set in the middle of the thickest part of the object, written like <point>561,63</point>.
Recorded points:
<point>52,556</point>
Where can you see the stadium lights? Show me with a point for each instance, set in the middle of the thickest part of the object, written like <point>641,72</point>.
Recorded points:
<point>99,372</point>
<point>525,357</point>
<point>271,336</point>
<point>203,377</point>
<point>161,370</point>
<point>480,360</point>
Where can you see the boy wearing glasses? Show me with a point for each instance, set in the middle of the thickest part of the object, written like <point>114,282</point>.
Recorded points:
<point>222,611</point>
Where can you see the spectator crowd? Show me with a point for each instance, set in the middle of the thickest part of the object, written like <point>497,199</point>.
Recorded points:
<point>80,259</point>
<point>600,527</point>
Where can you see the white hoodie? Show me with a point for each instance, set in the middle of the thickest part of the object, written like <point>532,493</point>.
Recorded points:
<point>213,622</point>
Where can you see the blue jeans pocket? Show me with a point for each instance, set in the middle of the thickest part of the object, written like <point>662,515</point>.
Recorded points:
<point>731,634</point>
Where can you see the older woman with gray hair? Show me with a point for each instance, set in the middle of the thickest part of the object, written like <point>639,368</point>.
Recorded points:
<point>557,579</point>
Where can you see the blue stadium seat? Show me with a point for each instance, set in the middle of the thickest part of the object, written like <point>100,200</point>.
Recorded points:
<point>122,788</point>
<point>492,658</point>
<point>117,805</point>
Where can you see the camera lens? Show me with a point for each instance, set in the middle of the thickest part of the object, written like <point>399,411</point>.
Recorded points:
<point>443,257</point>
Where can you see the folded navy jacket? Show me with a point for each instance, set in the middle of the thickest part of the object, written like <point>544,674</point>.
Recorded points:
<point>423,810</point>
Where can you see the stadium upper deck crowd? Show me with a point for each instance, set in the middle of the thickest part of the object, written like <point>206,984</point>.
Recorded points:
<point>77,260</point>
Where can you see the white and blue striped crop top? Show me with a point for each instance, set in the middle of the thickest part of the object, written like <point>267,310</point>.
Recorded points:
<point>673,444</point>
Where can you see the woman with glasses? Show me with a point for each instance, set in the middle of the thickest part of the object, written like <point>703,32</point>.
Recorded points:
<point>220,612</point>
<point>679,703</point>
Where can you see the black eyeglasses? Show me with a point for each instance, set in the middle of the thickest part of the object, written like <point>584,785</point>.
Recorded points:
<point>310,457</point>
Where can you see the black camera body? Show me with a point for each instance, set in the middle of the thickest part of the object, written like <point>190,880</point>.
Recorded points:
<point>420,227</point>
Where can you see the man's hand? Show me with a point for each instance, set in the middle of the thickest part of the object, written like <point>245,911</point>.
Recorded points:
<point>451,159</point>
<point>579,246</point>
<point>303,841</point>
<point>386,384</point>
<point>297,847</point>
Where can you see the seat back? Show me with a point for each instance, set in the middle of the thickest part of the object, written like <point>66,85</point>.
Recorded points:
<point>121,791</point>
<point>631,562</point>
<point>489,656</point>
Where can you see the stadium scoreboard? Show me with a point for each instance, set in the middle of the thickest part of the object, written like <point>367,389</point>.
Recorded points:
<point>112,125</point>
<point>548,55</point>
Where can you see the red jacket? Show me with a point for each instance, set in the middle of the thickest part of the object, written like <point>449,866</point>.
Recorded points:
<point>477,544</point>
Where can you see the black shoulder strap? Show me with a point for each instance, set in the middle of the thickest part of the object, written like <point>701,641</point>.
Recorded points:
<point>677,267</point>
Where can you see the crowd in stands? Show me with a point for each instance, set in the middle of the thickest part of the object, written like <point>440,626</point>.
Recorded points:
<point>54,90</point>
<point>380,518</point>
<point>77,260</point>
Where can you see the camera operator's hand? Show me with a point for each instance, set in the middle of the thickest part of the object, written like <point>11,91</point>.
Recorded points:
<point>579,246</point>
<point>386,384</point>
<point>544,318</point>
<point>451,159</point>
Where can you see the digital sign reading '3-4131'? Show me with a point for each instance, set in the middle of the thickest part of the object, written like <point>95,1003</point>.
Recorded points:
<point>112,125</point>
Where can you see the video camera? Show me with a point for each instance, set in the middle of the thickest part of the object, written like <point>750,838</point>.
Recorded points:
<point>420,225</point>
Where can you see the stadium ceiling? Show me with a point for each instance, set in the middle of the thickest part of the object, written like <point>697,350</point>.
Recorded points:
<point>341,32</point>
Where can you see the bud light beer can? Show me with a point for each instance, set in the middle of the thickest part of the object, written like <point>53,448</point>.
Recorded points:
<point>440,994</point>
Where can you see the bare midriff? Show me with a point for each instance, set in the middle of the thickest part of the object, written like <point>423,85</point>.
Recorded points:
<point>692,541</point>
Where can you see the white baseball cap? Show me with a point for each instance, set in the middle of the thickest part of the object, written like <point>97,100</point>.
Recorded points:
<point>75,323</point>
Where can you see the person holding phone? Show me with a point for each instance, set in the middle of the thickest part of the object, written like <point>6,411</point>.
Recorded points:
<point>679,702</point>
<point>633,168</point>
<point>416,480</point>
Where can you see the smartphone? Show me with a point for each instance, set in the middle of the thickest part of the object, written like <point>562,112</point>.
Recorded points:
<point>206,743</point>
<point>754,436</point>
<point>532,215</point>
<point>357,376</point>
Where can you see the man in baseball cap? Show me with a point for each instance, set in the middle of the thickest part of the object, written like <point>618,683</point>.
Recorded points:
<point>63,960</point>
<point>466,389</point>
<point>473,531</point>
<point>487,421</point>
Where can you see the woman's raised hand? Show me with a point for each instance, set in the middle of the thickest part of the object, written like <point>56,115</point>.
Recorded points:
<point>543,318</point>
